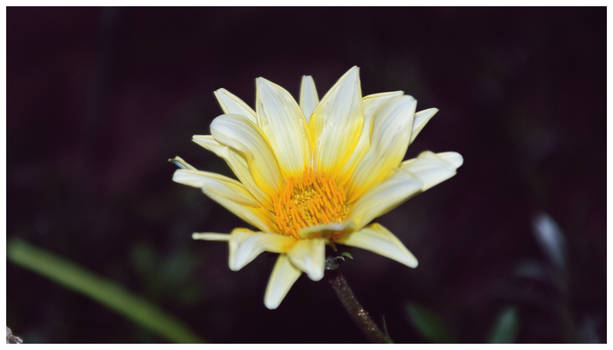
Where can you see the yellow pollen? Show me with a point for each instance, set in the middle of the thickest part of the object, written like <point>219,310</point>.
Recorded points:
<point>309,199</point>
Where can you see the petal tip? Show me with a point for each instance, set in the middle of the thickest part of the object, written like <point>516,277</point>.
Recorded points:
<point>454,158</point>
<point>261,81</point>
<point>353,72</point>
<point>413,264</point>
<point>316,276</point>
<point>271,304</point>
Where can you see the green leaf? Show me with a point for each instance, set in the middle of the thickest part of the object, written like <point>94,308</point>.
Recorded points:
<point>505,328</point>
<point>430,325</point>
<point>99,289</point>
<point>347,255</point>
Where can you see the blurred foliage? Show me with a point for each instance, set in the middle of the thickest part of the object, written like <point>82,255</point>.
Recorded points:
<point>104,291</point>
<point>505,327</point>
<point>166,277</point>
<point>429,324</point>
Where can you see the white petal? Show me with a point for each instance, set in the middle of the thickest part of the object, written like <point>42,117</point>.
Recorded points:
<point>433,168</point>
<point>309,255</point>
<point>211,236</point>
<point>337,122</point>
<point>215,183</point>
<point>245,245</point>
<point>283,276</point>
<point>390,138</point>
<point>384,197</point>
<point>454,158</point>
<point>378,239</point>
<point>281,120</point>
<point>308,96</point>
<point>421,119</point>
<point>237,164</point>
<point>370,106</point>
<point>372,103</point>
<point>392,125</point>
<point>242,135</point>
<point>231,104</point>
<point>228,192</point>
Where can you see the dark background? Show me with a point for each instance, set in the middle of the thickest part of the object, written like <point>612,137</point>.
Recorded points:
<point>99,99</point>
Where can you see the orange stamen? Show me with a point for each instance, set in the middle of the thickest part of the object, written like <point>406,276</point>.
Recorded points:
<point>309,199</point>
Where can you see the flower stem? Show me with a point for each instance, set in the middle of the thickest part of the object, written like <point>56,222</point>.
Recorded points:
<point>355,310</point>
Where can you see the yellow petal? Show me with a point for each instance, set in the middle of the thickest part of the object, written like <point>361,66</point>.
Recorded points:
<point>390,138</point>
<point>308,96</point>
<point>283,276</point>
<point>245,245</point>
<point>281,120</point>
<point>337,122</point>
<point>231,104</point>
<point>237,164</point>
<point>421,119</point>
<point>384,197</point>
<point>370,106</point>
<point>433,168</point>
<point>324,230</point>
<point>229,193</point>
<point>244,136</point>
<point>379,240</point>
<point>309,255</point>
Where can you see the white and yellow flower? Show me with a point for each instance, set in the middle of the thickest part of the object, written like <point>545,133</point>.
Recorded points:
<point>314,173</point>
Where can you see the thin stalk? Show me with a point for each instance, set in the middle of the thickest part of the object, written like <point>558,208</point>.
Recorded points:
<point>353,307</point>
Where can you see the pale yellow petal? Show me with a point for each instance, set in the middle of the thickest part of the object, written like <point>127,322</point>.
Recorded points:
<point>281,120</point>
<point>421,119</point>
<point>245,245</point>
<point>324,230</point>
<point>211,236</point>
<point>433,168</point>
<point>373,102</point>
<point>230,104</point>
<point>283,276</point>
<point>244,136</point>
<point>237,164</point>
<point>384,197</point>
<point>215,183</point>
<point>308,96</point>
<point>229,193</point>
<point>390,138</point>
<point>379,240</point>
<point>454,158</point>
<point>337,122</point>
<point>309,255</point>
<point>370,106</point>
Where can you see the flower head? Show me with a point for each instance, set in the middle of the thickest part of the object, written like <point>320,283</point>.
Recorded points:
<point>314,173</point>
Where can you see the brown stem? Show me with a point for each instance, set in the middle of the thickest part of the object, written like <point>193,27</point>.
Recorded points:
<point>354,309</point>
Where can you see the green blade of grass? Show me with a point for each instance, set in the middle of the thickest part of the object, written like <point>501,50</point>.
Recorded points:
<point>99,289</point>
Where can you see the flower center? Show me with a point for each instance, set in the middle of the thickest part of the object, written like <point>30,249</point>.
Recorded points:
<point>309,199</point>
